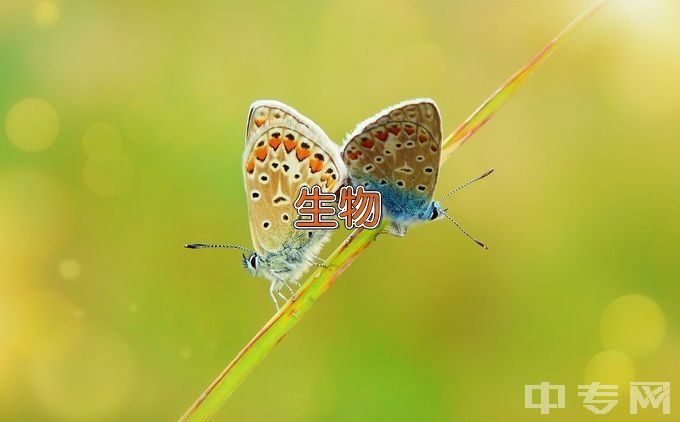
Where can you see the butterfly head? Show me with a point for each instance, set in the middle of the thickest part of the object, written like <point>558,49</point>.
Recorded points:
<point>252,263</point>
<point>435,211</point>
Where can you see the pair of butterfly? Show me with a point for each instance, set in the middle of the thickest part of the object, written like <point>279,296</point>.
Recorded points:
<point>397,153</point>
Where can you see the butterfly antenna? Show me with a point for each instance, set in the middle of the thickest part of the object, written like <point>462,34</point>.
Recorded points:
<point>203,245</point>
<point>477,241</point>
<point>466,184</point>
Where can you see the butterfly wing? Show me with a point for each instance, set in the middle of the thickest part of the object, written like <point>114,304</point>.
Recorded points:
<point>263,112</point>
<point>397,153</point>
<point>284,151</point>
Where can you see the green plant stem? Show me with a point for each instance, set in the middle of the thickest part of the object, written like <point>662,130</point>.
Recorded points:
<point>276,328</point>
<point>320,281</point>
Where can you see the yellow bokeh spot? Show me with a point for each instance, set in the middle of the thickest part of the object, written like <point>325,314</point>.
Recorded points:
<point>108,173</point>
<point>100,136</point>
<point>89,383</point>
<point>32,124</point>
<point>633,324</point>
<point>69,269</point>
<point>610,367</point>
<point>46,13</point>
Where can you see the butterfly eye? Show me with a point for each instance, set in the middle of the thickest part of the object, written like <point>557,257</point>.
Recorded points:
<point>435,213</point>
<point>253,261</point>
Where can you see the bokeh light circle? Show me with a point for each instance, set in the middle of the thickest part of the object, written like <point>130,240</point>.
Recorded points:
<point>108,173</point>
<point>46,13</point>
<point>610,367</point>
<point>69,269</point>
<point>32,124</point>
<point>100,136</point>
<point>633,324</point>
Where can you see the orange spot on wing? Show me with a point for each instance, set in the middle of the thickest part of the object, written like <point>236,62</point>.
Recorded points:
<point>352,155</point>
<point>289,145</point>
<point>409,129</point>
<point>381,135</point>
<point>261,152</point>
<point>301,153</point>
<point>422,138</point>
<point>395,129</point>
<point>259,122</point>
<point>316,165</point>
<point>367,143</point>
<point>274,142</point>
<point>250,166</point>
<point>433,147</point>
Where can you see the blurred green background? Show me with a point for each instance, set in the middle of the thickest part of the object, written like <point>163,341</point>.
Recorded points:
<point>122,136</point>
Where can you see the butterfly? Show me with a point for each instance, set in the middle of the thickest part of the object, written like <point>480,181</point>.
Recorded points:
<point>284,151</point>
<point>397,153</point>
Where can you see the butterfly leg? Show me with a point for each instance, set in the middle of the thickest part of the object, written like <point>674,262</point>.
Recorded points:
<point>320,261</point>
<point>272,289</point>
<point>282,296</point>
<point>292,292</point>
<point>315,260</point>
<point>281,282</point>
<point>317,263</point>
<point>383,231</point>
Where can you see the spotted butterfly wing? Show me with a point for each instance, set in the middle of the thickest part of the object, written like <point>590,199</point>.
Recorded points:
<point>397,153</point>
<point>284,151</point>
